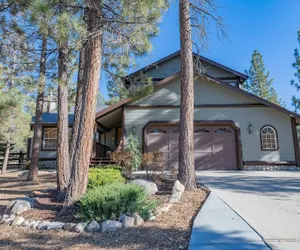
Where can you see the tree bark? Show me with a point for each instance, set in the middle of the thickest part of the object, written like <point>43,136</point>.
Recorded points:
<point>38,129</point>
<point>89,76</point>
<point>63,172</point>
<point>186,169</point>
<point>6,156</point>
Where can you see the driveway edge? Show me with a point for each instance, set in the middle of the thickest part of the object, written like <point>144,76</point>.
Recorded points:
<point>218,226</point>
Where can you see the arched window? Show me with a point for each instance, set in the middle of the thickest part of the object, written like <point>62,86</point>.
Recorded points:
<point>268,138</point>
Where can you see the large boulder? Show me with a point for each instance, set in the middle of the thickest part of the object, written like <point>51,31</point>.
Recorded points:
<point>110,226</point>
<point>128,222</point>
<point>43,225</point>
<point>92,227</point>
<point>149,186</point>
<point>21,205</point>
<point>177,191</point>
<point>138,220</point>
<point>79,228</point>
<point>55,225</point>
<point>69,226</point>
<point>18,221</point>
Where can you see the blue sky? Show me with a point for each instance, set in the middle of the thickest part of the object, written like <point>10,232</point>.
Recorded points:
<point>267,25</point>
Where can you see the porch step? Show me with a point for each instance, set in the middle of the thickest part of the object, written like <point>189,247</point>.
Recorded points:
<point>101,161</point>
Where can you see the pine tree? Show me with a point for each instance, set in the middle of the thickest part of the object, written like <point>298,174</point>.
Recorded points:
<point>296,82</point>
<point>259,82</point>
<point>115,32</point>
<point>14,129</point>
<point>193,15</point>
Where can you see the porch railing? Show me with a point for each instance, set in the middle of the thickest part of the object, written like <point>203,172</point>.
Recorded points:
<point>102,150</point>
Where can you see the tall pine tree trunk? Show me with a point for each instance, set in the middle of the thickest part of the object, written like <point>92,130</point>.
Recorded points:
<point>186,169</point>
<point>38,129</point>
<point>6,156</point>
<point>81,146</point>
<point>63,172</point>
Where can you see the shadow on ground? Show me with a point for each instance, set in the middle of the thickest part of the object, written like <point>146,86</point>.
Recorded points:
<point>141,238</point>
<point>245,182</point>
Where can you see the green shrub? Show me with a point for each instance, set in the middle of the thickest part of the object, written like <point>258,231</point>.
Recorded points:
<point>111,201</point>
<point>133,147</point>
<point>105,175</point>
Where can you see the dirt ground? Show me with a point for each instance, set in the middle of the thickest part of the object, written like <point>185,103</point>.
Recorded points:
<point>168,231</point>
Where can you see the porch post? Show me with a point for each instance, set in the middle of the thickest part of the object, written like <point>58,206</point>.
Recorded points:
<point>296,141</point>
<point>123,126</point>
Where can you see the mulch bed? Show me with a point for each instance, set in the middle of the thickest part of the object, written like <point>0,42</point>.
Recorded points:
<point>168,231</point>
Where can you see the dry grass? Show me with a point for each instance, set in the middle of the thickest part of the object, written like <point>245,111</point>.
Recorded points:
<point>168,231</point>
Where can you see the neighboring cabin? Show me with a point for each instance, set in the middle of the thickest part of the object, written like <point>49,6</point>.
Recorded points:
<point>233,129</point>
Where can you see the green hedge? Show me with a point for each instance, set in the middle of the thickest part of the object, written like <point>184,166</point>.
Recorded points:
<point>111,201</point>
<point>105,175</point>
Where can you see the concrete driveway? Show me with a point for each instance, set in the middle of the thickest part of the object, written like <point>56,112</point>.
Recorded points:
<point>268,201</point>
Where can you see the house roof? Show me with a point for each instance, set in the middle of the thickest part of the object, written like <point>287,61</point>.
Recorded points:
<point>51,118</point>
<point>154,64</point>
<point>211,78</point>
<point>112,108</point>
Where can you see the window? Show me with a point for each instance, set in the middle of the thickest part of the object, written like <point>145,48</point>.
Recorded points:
<point>201,130</point>
<point>158,131</point>
<point>268,137</point>
<point>222,130</point>
<point>50,138</point>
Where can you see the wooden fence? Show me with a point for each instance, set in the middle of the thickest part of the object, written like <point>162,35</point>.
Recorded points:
<point>15,159</point>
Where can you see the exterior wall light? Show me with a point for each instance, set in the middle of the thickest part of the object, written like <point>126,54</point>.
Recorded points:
<point>250,129</point>
<point>133,130</point>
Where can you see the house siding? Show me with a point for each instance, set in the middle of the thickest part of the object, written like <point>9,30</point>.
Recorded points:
<point>243,117</point>
<point>206,92</point>
<point>173,66</point>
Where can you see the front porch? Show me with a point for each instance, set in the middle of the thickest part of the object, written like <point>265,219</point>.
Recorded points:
<point>109,133</point>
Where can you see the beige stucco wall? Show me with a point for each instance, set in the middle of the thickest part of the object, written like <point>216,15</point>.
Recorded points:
<point>211,93</point>
<point>206,92</point>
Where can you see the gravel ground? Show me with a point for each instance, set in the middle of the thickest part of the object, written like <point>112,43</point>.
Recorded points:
<point>168,231</point>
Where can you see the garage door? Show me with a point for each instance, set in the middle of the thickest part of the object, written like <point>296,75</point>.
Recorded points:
<point>215,146</point>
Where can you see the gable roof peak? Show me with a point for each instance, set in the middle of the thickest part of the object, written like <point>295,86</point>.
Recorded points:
<point>242,76</point>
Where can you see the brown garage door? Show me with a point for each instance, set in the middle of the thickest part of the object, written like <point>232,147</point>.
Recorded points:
<point>215,147</point>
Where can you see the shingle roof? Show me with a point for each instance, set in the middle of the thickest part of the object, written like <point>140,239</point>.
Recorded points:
<point>51,118</point>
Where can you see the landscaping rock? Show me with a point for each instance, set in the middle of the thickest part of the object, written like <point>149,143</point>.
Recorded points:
<point>177,191</point>
<point>152,218</point>
<point>9,218</point>
<point>4,216</point>
<point>92,227</point>
<point>18,221</point>
<point>138,220</point>
<point>69,226</point>
<point>110,226</point>
<point>149,186</point>
<point>128,222</point>
<point>31,223</point>
<point>43,225</point>
<point>25,223</point>
<point>79,228</point>
<point>24,174</point>
<point>56,225</point>
<point>122,217</point>
<point>21,205</point>
<point>35,224</point>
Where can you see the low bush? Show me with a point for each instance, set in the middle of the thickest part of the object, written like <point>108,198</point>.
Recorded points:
<point>105,175</point>
<point>153,163</point>
<point>112,201</point>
